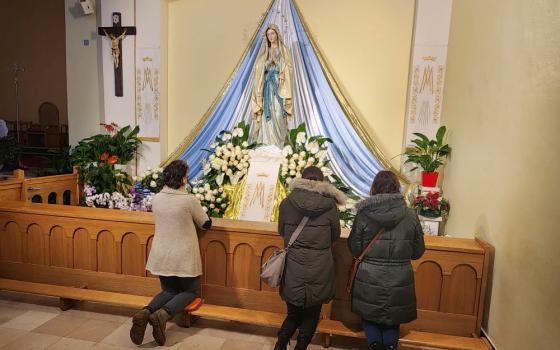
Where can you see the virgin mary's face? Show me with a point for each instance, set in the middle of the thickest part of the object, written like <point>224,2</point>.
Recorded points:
<point>271,35</point>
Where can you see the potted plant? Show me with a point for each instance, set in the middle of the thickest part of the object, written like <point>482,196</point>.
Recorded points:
<point>429,155</point>
<point>431,205</point>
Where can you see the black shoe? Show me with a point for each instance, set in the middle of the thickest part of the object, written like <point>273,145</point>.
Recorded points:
<point>158,320</point>
<point>139,323</point>
<point>281,345</point>
<point>376,346</point>
<point>390,347</point>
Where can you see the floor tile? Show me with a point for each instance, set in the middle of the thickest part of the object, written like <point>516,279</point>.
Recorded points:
<point>29,320</point>
<point>71,344</point>
<point>32,341</point>
<point>94,330</point>
<point>61,325</point>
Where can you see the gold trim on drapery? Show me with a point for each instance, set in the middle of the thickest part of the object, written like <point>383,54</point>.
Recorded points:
<point>198,127</point>
<point>352,116</point>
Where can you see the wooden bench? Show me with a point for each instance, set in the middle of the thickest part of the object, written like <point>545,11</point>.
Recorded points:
<point>68,295</point>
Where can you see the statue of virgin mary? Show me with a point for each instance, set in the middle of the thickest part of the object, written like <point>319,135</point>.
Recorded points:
<point>271,98</point>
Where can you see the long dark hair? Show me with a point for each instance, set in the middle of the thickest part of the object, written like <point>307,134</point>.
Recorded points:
<point>385,182</point>
<point>173,173</point>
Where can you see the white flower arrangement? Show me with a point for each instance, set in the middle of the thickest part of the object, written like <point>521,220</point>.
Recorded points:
<point>228,163</point>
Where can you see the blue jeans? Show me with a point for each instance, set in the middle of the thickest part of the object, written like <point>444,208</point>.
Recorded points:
<point>177,292</point>
<point>387,335</point>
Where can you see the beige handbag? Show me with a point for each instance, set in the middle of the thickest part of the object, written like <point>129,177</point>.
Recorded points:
<point>273,269</point>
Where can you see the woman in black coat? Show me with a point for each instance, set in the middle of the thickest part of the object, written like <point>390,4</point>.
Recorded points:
<point>383,293</point>
<point>309,275</point>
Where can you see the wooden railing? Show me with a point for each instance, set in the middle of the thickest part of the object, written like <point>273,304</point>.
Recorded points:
<point>107,250</point>
<point>56,189</point>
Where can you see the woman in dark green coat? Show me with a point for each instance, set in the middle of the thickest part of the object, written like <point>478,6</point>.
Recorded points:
<point>309,280</point>
<point>383,293</point>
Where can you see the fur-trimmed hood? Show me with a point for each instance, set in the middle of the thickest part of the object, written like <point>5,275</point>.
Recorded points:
<point>313,198</point>
<point>388,209</point>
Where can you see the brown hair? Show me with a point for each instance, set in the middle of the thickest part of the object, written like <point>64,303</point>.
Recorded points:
<point>312,173</point>
<point>173,173</point>
<point>385,182</point>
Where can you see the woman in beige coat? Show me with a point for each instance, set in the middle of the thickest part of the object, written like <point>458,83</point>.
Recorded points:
<point>175,254</point>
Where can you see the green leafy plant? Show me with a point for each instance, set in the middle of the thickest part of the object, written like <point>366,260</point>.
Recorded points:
<point>97,155</point>
<point>9,150</point>
<point>428,154</point>
<point>60,164</point>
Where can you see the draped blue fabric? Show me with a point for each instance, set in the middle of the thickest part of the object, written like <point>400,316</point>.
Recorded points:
<point>315,104</point>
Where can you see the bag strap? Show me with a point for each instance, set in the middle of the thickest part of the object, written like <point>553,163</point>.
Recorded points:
<point>375,238</point>
<point>298,230</point>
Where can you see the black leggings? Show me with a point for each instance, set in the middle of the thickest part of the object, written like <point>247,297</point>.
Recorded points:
<point>306,319</point>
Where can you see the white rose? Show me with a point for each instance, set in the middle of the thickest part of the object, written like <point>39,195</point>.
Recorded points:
<point>135,178</point>
<point>312,147</point>
<point>206,186</point>
<point>288,180</point>
<point>155,176</point>
<point>153,183</point>
<point>215,192</point>
<point>302,154</point>
<point>310,160</point>
<point>239,166</point>
<point>237,132</point>
<point>212,156</point>
<point>199,196</point>
<point>301,137</point>
<point>284,168</point>
<point>301,163</point>
<point>326,171</point>
<point>284,172</point>
<point>298,175</point>
<point>321,155</point>
<point>295,156</point>
<point>195,190</point>
<point>160,170</point>
<point>224,167</point>
<point>218,200</point>
<point>212,206</point>
<point>221,189</point>
<point>205,209</point>
<point>230,145</point>
<point>245,144</point>
<point>226,136</point>
<point>216,210</point>
<point>292,166</point>
<point>149,168</point>
<point>207,197</point>
<point>292,172</point>
<point>223,205</point>
<point>287,150</point>
<point>229,172</point>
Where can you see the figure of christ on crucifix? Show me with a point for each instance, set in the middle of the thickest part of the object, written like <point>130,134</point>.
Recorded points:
<point>116,34</point>
<point>115,46</point>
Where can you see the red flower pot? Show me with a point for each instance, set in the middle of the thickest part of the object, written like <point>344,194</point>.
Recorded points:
<point>429,179</point>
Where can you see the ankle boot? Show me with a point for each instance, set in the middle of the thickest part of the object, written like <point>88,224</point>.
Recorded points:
<point>139,323</point>
<point>158,320</point>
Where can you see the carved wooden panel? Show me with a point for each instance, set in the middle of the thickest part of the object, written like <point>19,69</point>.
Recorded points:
<point>429,280</point>
<point>85,250</point>
<point>11,247</point>
<point>132,259</point>
<point>460,290</point>
<point>36,244</point>
<point>60,248</point>
<point>245,269</point>
<point>107,260</point>
<point>215,264</point>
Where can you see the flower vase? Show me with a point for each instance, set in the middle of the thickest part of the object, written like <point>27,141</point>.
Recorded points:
<point>429,178</point>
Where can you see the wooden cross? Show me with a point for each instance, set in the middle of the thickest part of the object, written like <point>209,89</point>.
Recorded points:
<point>117,33</point>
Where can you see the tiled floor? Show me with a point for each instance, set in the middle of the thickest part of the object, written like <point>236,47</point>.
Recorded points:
<point>36,322</point>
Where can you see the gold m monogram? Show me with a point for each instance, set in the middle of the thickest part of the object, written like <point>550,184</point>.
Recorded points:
<point>258,195</point>
<point>428,79</point>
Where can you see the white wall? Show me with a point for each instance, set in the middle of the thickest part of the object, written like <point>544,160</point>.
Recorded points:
<point>502,105</point>
<point>83,74</point>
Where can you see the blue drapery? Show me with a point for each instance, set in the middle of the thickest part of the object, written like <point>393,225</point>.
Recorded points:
<point>315,104</point>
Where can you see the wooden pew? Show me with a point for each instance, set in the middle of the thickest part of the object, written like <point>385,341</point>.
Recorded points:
<point>106,250</point>
<point>56,188</point>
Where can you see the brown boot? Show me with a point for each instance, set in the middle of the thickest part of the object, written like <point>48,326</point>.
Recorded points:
<point>158,320</point>
<point>139,323</point>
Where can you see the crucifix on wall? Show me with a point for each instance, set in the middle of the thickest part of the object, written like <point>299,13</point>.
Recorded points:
<point>117,33</point>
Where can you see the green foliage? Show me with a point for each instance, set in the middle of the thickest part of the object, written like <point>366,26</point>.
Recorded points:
<point>429,154</point>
